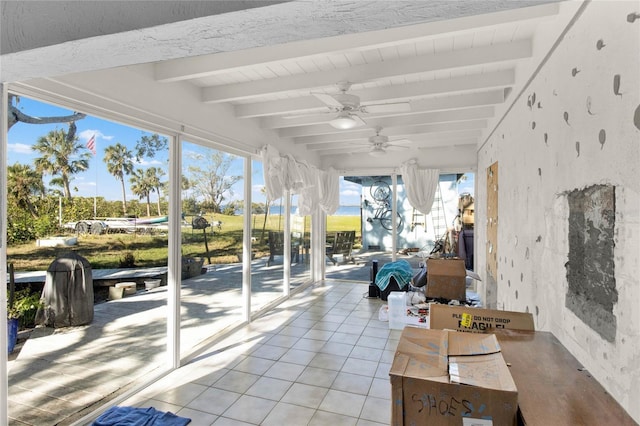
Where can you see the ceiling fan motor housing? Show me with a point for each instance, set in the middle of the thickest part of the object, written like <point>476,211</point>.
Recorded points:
<point>378,139</point>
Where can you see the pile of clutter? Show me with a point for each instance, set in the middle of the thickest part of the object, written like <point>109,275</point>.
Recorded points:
<point>441,281</point>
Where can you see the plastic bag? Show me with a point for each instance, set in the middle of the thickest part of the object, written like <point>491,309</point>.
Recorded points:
<point>383,313</point>
<point>416,297</point>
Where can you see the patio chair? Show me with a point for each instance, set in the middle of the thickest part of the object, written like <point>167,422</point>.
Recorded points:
<point>342,244</point>
<point>276,246</point>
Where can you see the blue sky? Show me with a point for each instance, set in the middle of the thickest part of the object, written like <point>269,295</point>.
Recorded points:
<point>97,181</point>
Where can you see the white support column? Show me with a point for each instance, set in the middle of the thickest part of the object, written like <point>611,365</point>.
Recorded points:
<point>4,372</point>
<point>246,242</point>
<point>286,256</point>
<point>175,257</point>
<point>318,240</point>
<point>394,216</point>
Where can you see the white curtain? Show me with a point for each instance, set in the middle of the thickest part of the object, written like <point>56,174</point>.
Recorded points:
<point>308,192</point>
<point>420,185</point>
<point>329,190</point>
<point>272,171</point>
<point>314,187</point>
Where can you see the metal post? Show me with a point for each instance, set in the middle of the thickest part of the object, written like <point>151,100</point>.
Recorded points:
<point>4,372</point>
<point>174,271</point>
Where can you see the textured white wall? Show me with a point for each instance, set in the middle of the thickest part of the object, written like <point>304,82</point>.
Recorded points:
<point>554,146</point>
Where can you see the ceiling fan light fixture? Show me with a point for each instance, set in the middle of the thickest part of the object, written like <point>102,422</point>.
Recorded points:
<point>344,121</point>
<point>377,151</point>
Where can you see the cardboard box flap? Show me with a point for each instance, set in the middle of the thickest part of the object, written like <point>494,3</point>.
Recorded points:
<point>446,267</point>
<point>421,354</point>
<point>472,344</point>
<point>477,320</point>
<point>486,371</point>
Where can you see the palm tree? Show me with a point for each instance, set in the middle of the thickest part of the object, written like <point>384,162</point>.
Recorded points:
<point>24,183</point>
<point>58,149</point>
<point>119,162</point>
<point>155,176</point>
<point>142,186</point>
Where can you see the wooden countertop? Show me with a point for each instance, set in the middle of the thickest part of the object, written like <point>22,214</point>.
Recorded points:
<point>553,387</point>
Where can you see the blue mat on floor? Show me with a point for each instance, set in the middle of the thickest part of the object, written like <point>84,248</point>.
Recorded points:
<point>134,416</point>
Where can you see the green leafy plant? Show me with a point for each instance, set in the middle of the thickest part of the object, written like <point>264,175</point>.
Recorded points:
<point>25,305</point>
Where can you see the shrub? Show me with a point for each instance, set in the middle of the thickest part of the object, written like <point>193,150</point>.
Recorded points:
<point>128,261</point>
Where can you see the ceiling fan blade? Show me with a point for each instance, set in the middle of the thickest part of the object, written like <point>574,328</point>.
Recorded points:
<point>396,147</point>
<point>392,107</point>
<point>400,141</point>
<point>306,114</point>
<point>359,120</point>
<point>328,100</point>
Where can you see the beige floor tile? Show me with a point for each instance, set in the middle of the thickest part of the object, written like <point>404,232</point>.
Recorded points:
<point>380,388</point>
<point>181,395</point>
<point>293,331</point>
<point>323,418</point>
<point>225,421</point>
<point>214,401</point>
<point>353,383</point>
<point>288,414</point>
<point>305,395</point>
<point>250,409</point>
<point>372,342</point>
<point>254,365</point>
<point>328,361</point>
<point>197,417</point>
<point>285,371</point>
<point>309,344</point>
<point>376,409</point>
<point>269,388</point>
<point>236,381</point>
<point>369,354</point>
<point>382,372</point>
<point>360,366</point>
<point>298,356</point>
<point>317,377</point>
<point>282,340</point>
<point>348,404</point>
<point>318,334</point>
<point>343,349</point>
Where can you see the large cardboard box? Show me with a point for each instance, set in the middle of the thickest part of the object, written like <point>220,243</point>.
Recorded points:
<point>446,278</point>
<point>477,320</point>
<point>441,377</point>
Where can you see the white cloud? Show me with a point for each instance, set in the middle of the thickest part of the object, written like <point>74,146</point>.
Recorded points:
<point>86,135</point>
<point>19,148</point>
<point>349,193</point>
<point>145,162</point>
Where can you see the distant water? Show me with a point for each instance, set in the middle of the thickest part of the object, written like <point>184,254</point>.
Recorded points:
<point>342,210</point>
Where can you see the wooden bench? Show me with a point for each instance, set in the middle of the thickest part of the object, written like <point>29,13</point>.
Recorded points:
<point>553,388</point>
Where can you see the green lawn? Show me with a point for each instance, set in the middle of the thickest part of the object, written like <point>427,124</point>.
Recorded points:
<point>110,250</point>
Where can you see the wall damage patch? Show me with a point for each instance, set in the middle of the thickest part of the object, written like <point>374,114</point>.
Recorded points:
<point>592,292</point>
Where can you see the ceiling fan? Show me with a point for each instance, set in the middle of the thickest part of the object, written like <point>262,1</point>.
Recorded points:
<point>379,144</point>
<point>347,105</point>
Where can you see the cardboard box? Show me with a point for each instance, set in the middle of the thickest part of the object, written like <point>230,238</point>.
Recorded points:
<point>446,278</point>
<point>468,215</point>
<point>477,320</point>
<point>441,377</point>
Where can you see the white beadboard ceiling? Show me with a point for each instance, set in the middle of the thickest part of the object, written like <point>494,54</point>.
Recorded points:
<point>456,64</point>
<point>453,80</point>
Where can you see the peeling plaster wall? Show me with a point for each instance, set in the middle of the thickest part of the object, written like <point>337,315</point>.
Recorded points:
<point>576,125</point>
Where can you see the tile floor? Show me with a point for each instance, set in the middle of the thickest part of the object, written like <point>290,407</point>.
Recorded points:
<point>321,358</point>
